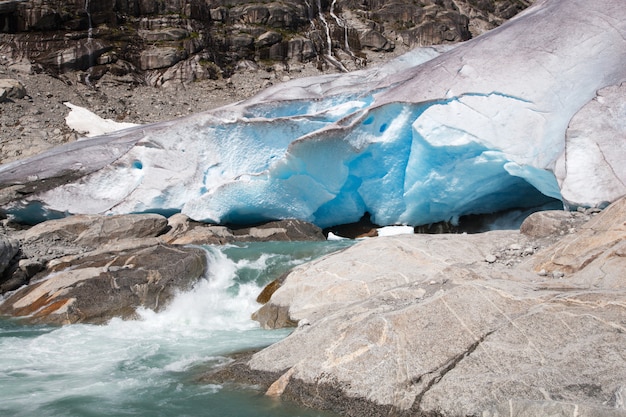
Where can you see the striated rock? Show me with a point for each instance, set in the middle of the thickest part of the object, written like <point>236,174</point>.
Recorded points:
<point>268,38</point>
<point>314,290</point>
<point>183,72</point>
<point>44,243</point>
<point>82,55</point>
<point>155,58</point>
<point>11,89</point>
<point>184,231</point>
<point>437,27</point>
<point>286,15</point>
<point>8,249</point>
<point>91,231</point>
<point>283,230</point>
<point>595,255</point>
<point>375,41</point>
<point>521,408</point>
<point>72,36</point>
<point>552,223</point>
<point>108,283</point>
<point>169,34</point>
<point>423,325</point>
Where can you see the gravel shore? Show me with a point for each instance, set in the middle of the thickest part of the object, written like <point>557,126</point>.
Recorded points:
<point>37,122</point>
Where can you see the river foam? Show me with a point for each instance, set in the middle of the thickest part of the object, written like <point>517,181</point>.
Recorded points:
<point>148,366</point>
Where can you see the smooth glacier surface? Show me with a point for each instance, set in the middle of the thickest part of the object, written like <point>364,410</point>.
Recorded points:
<point>436,134</point>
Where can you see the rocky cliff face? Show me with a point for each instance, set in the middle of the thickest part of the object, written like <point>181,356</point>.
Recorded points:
<point>173,41</point>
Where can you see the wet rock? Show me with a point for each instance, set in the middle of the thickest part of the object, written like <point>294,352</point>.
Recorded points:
<point>281,230</point>
<point>44,244</point>
<point>108,283</point>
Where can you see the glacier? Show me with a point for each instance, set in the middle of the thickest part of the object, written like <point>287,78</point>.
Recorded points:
<point>438,133</point>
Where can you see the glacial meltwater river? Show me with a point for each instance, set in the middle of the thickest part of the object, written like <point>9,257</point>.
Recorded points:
<point>149,367</point>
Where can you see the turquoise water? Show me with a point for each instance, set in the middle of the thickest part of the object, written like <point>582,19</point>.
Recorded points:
<point>149,367</point>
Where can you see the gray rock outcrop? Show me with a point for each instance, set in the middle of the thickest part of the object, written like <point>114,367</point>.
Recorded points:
<point>112,281</point>
<point>8,249</point>
<point>154,36</point>
<point>42,245</point>
<point>11,89</point>
<point>91,231</point>
<point>184,231</point>
<point>91,268</point>
<point>444,325</point>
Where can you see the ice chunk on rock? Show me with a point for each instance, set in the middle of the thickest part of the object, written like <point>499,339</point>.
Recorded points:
<point>591,171</point>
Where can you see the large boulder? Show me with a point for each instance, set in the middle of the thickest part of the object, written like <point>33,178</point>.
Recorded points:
<point>8,249</point>
<point>111,282</point>
<point>11,89</point>
<point>75,235</point>
<point>446,326</point>
<point>155,58</point>
<point>90,231</point>
<point>311,292</point>
<point>594,256</point>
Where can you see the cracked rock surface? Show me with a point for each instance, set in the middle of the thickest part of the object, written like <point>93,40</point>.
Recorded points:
<point>445,332</point>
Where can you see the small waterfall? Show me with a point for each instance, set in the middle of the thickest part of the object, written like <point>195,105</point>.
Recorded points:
<point>344,26</point>
<point>310,10</point>
<point>329,54</point>
<point>89,22</point>
<point>89,46</point>
<point>329,42</point>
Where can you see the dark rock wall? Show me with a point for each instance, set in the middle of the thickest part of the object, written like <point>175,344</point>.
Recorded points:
<point>192,39</point>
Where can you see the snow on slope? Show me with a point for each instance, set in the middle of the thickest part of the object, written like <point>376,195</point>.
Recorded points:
<point>90,124</point>
<point>429,137</point>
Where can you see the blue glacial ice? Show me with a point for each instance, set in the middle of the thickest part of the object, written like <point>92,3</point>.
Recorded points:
<point>436,134</point>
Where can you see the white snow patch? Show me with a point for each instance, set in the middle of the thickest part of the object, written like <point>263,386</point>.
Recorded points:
<point>90,124</point>
<point>395,230</point>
